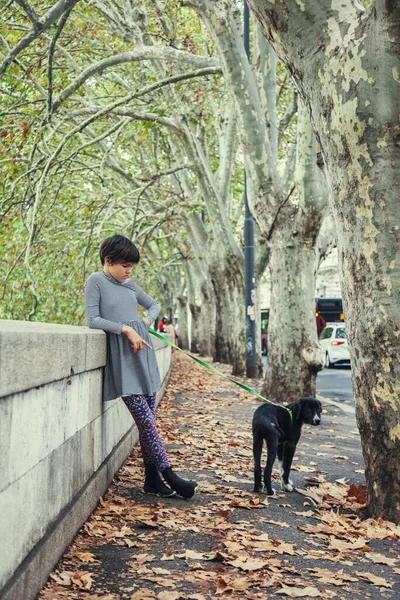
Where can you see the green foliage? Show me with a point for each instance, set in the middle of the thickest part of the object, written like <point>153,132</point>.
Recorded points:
<point>61,194</point>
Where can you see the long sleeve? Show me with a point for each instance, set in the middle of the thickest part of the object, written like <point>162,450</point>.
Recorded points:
<point>92,308</point>
<point>153,308</point>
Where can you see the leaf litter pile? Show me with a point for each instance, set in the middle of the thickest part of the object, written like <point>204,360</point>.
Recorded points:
<point>228,542</point>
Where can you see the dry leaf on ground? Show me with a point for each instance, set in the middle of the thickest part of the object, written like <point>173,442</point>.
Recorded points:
<point>293,592</point>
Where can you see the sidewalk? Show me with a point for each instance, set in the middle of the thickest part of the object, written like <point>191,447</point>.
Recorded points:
<point>228,542</point>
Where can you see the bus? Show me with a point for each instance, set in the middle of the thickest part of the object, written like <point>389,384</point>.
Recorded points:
<point>330,309</point>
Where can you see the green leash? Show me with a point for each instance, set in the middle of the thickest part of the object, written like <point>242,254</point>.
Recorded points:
<point>214,370</point>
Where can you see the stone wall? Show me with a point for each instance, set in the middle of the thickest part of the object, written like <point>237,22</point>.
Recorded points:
<point>59,444</point>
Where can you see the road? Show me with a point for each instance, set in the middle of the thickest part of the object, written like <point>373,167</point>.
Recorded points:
<point>336,384</point>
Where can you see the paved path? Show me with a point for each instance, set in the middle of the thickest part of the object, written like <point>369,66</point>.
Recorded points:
<point>336,383</point>
<point>228,542</point>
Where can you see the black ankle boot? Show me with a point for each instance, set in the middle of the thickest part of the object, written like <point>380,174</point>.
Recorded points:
<point>186,489</point>
<point>153,484</point>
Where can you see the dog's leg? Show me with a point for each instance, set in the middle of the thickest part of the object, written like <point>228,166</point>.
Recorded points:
<point>288,453</point>
<point>280,459</point>
<point>257,450</point>
<point>272,445</point>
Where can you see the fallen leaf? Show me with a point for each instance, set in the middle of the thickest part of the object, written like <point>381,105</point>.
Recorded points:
<point>371,578</point>
<point>278,547</point>
<point>193,555</point>
<point>311,592</point>
<point>143,558</point>
<point>233,546</point>
<point>304,513</point>
<point>148,524</point>
<point>159,571</point>
<point>280,523</point>
<point>332,577</point>
<point>381,559</point>
<point>249,564</point>
<point>83,579</point>
<point>169,596</point>
<point>63,578</point>
<point>359,492</point>
<point>341,545</point>
<point>238,584</point>
<point>86,557</point>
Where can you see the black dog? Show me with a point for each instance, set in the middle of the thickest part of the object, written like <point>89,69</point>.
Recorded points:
<point>272,423</point>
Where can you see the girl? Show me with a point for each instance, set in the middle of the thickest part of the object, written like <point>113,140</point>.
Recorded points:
<point>111,303</point>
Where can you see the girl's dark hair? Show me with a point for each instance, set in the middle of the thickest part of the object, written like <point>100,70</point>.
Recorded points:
<point>119,249</point>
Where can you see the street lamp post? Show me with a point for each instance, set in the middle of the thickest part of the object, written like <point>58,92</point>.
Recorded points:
<point>249,279</point>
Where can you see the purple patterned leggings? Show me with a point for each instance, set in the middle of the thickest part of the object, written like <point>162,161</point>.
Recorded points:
<point>143,410</point>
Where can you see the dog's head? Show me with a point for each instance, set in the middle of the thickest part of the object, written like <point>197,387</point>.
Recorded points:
<point>307,410</point>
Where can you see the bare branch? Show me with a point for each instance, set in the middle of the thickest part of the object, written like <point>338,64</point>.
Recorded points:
<point>52,46</point>
<point>4,8</point>
<point>139,53</point>
<point>228,147</point>
<point>30,11</point>
<point>39,27</point>
<point>154,86</point>
<point>278,210</point>
<point>150,117</point>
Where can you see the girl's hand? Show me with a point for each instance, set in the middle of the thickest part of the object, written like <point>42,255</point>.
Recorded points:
<point>146,322</point>
<point>136,341</point>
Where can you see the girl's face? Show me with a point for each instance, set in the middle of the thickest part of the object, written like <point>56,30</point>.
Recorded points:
<point>119,271</point>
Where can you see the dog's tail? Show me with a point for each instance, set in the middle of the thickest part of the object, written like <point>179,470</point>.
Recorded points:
<point>265,426</point>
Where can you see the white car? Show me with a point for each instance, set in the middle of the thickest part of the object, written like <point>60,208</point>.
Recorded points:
<point>334,341</point>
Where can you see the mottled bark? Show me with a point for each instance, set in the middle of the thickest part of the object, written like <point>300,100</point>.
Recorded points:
<point>203,326</point>
<point>259,150</point>
<point>195,329</point>
<point>294,357</point>
<point>183,330</point>
<point>346,63</point>
<point>229,334</point>
<point>222,252</point>
<point>202,309</point>
<point>255,92</point>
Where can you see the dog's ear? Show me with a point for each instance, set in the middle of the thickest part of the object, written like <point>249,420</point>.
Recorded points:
<point>296,410</point>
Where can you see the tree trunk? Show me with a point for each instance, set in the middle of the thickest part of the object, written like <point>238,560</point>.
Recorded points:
<point>183,331</point>
<point>229,336</point>
<point>202,309</point>
<point>205,324</point>
<point>353,90</point>
<point>294,356</point>
<point>195,329</point>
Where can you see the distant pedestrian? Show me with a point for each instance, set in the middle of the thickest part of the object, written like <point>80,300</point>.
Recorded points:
<point>161,325</point>
<point>111,302</point>
<point>321,323</point>
<point>170,330</point>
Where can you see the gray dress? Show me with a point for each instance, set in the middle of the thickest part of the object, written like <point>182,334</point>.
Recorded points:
<point>109,305</point>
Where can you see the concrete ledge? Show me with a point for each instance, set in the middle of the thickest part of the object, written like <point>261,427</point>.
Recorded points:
<point>59,444</point>
<point>32,574</point>
<point>33,354</point>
